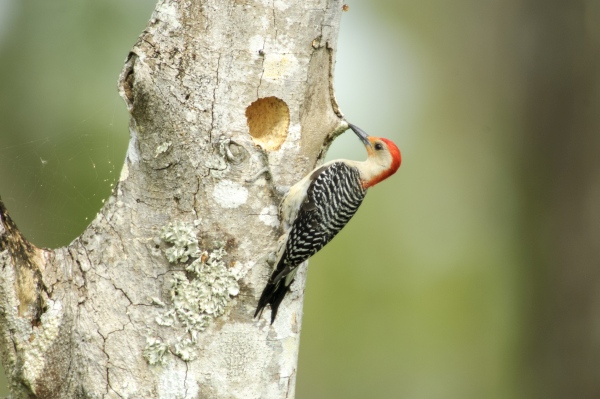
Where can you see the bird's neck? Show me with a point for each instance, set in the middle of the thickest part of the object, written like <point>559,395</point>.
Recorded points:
<point>375,173</point>
<point>372,172</point>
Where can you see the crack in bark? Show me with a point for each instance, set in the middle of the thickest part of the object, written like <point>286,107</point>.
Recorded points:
<point>274,19</point>
<point>185,381</point>
<point>287,395</point>
<point>143,38</point>
<point>214,101</point>
<point>107,386</point>
<point>69,374</point>
<point>195,206</point>
<point>110,365</point>
<point>124,294</point>
<point>108,222</point>
<point>262,66</point>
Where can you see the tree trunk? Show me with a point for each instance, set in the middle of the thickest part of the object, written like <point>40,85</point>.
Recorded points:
<point>561,215</point>
<point>228,100</point>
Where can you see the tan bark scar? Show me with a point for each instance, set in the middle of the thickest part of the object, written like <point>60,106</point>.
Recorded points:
<point>27,260</point>
<point>26,289</point>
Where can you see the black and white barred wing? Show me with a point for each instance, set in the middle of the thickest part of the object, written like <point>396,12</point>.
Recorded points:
<point>332,199</point>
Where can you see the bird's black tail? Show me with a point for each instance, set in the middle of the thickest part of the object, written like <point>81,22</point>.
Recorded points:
<point>272,295</point>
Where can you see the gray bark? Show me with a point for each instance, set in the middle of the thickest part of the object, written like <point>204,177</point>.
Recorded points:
<point>228,100</point>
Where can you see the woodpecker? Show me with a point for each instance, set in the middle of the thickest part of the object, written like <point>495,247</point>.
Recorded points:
<point>316,208</point>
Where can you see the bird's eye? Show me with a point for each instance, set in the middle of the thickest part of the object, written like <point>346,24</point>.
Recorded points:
<point>378,146</point>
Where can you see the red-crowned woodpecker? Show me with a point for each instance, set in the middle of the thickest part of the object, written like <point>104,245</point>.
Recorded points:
<point>316,208</point>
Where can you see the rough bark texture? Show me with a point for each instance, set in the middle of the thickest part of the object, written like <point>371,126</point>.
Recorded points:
<point>156,297</point>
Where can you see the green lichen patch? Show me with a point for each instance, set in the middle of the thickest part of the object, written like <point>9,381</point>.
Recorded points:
<point>155,351</point>
<point>214,284</point>
<point>186,350</point>
<point>184,244</point>
<point>197,295</point>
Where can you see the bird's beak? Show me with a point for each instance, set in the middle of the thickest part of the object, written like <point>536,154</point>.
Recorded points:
<point>361,134</point>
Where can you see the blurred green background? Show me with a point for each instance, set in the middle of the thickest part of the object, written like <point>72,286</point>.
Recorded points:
<point>472,273</point>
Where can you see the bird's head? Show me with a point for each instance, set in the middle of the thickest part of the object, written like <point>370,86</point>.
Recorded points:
<point>383,156</point>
